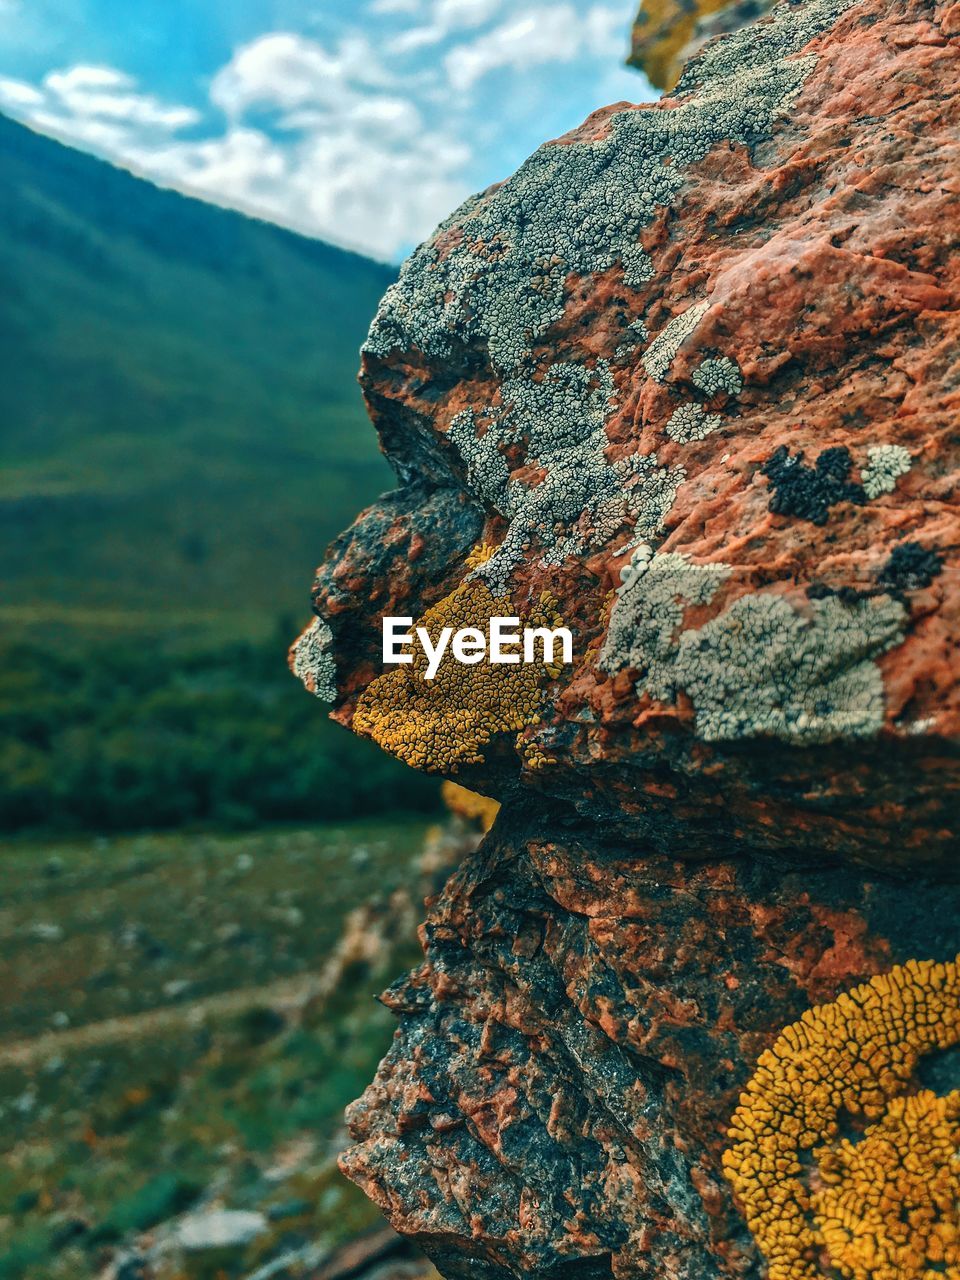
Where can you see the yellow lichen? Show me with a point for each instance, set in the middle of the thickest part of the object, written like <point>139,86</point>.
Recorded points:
<point>890,1204</point>
<point>440,724</point>
<point>470,805</point>
<point>880,1207</point>
<point>534,757</point>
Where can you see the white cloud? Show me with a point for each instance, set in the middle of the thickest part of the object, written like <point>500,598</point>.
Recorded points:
<point>97,107</point>
<point>18,95</point>
<point>103,94</point>
<point>82,78</point>
<point>396,6</point>
<point>346,155</point>
<point>446,17</point>
<point>332,184</point>
<point>283,69</point>
<point>348,152</point>
<point>535,36</point>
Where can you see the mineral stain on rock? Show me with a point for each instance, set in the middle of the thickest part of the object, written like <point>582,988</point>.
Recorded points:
<point>691,380</point>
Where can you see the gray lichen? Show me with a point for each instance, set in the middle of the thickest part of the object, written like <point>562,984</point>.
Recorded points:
<point>313,663</point>
<point>718,374</point>
<point>496,272</point>
<point>691,422</point>
<point>494,278</point>
<point>653,593</point>
<point>659,355</point>
<point>765,668</point>
<point>583,500</point>
<point>760,668</point>
<point>636,334</point>
<point>887,463</point>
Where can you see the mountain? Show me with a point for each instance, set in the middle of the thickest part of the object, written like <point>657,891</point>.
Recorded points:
<point>180,429</point>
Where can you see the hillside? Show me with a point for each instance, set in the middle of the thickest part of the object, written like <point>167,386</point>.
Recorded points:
<point>180,423</point>
<point>181,434</point>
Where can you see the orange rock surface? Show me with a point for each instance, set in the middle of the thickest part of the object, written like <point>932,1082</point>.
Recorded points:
<point>692,376</point>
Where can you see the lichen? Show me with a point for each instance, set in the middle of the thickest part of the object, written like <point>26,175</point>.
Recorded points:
<point>494,278</point>
<point>440,724</point>
<point>636,334</point>
<point>890,1208</point>
<point>658,357</point>
<point>883,1207</point>
<point>556,422</point>
<point>761,667</point>
<point>690,422</point>
<point>810,492</point>
<point>579,208</point>
<point>911,567</point>
<point>718,374</point>
<point>887,463</point>
<point>662,33</point>
<point>311,661</point>
<point>470,805</point>
<point>653,593</point>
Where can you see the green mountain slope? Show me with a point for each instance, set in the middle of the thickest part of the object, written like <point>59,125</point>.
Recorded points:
<point>180,436</point>
<point>180,429</point>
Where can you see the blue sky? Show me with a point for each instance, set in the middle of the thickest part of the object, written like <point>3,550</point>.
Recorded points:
<point>364,123</point>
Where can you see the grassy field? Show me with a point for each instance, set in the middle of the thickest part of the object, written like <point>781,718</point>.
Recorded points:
<point>183,1019</point>
<point>168,1040</point>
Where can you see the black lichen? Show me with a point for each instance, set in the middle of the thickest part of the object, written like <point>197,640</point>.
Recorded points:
<point>810,492</point>
<point>910,567</point>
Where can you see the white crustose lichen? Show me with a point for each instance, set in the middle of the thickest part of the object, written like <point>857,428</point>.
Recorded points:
<point>313,661</point>
<point>718,374</point>
<point>762,666</point>
<point>691,422</point>
<point>887,463</point>
<point>582,500</point>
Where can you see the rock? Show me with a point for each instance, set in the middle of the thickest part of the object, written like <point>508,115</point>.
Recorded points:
<point>296,1208</point>
<point>572,1050</point>
<point>688,382</point>
<point>45,931</point>
<point>689,434</point>
<point>128,1266</point>
<point>667,33</point>
<point>292,1265</point>
<point>176,988</point>
<point>220,1229</point>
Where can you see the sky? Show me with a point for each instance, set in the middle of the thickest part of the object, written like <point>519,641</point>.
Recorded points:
<point>364,122</point>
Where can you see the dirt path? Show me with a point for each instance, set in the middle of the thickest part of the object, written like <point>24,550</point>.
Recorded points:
<point>287,994</point>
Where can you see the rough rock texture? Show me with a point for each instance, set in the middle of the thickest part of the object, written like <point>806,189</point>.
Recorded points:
<point>690,381</point>
<point>667,33</point>
<point>571,1052</point>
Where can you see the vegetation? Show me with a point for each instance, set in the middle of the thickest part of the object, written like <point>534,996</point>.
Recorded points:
<point>213,1074</point>
<point>182,436</point>
<point>169,730</point>
<point>181,424</point>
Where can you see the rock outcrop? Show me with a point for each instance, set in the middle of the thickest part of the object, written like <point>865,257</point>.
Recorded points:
<point>690,383</point>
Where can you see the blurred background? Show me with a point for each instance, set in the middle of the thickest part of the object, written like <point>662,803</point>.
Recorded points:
<point>202,882</point>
